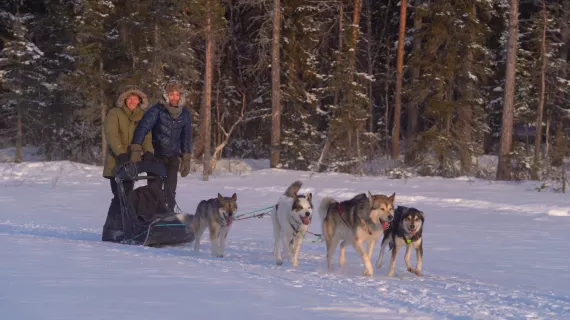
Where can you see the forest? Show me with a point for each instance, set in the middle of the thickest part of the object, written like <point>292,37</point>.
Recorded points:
<point>429,86</point>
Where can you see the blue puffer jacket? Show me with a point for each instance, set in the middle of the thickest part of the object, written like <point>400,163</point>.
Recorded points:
<point>170,137</point>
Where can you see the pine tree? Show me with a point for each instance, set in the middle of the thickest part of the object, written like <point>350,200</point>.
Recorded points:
<point>20,74</point>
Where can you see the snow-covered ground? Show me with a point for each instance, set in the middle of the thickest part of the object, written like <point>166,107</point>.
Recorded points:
<point>492,251</point>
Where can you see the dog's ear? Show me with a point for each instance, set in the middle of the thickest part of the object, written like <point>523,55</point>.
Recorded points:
<point>392,197</point>
<point>421,214</point>
<point>234,197</point>
<point>309,196</point>
<point>370,199</point>
<point>220,197</point>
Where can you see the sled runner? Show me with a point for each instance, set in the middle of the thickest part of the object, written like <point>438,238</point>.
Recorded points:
<point>146,219</point>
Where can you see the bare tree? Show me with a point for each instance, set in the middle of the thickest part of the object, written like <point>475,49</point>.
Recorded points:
<point>206,125</point>
<point>399,74</point>
<point>244,117</point>
<point>504,167</point>
<point>276,87</point>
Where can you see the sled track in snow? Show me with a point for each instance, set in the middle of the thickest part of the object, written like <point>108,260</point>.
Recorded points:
<point>443,297</point>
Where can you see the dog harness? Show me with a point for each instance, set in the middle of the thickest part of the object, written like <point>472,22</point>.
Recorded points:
<point>296,233</point>
<point>414,238</point>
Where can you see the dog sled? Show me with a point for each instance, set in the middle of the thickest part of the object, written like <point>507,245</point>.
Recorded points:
<point>146,218</point>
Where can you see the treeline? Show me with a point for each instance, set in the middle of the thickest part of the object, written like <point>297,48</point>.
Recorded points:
<point>324,85</point>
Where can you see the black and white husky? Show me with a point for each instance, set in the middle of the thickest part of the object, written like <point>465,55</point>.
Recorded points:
<point>405,230</point>
<point>291,218</point>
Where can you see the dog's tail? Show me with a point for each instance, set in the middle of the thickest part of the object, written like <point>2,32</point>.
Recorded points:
<point>291,192</point>
<point>324,207</point>
<point>188,220</point>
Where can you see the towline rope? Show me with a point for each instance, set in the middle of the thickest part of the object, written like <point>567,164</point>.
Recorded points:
<point>260,213</point>
<point>267,212</point>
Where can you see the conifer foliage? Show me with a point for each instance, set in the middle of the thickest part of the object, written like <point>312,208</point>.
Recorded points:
<point>335,85</point>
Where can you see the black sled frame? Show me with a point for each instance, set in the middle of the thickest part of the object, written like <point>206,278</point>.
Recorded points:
<point>163,227</point>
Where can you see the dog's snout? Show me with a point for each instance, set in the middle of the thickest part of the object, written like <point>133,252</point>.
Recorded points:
<point>390,217</point>
<point>307,214</point>
<point>412,227</point>
<point>230,213</point>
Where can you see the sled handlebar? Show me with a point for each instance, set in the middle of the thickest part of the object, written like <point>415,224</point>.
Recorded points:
<point>130,171</point>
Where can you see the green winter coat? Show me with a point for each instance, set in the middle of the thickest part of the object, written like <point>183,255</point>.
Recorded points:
<point>119,126</point>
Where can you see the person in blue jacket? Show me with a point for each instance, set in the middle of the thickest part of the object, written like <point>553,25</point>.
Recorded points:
<point>171,126</point>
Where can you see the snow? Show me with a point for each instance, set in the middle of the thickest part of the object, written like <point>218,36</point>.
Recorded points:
<point>559,213</point>
<point>28,153</point>
<point>493,250</point>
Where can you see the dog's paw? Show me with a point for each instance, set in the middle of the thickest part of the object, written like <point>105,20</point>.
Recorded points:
<point>379,264</point>
<point>411,270</point>
<point>279,262</point>
<point>418,273</point>
<point>220,255</point>
<point>391,273</point>
<point>368,273</point>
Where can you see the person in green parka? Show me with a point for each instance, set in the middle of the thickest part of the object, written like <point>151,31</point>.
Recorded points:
<point>119,127</point>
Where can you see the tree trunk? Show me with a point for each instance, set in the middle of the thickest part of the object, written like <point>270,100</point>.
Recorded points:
<point>207,97</point>
<point>465,113</point>
<point>329,137</point>
<point>19,153</point>
<point>412,127</point>
<point>276,88</point>
<point>340,35</point>
<point>353,126</point>
<point>217,133</point>
<point>559,144</point>
<point>559,149</point>
<point>370,70</point>
<point>547,133</point>
<point>157,69</point>
<point>399,74</point>
<point>103,108</point>
<point>504,167</point>
<point>387,109</point>
<point>540,111</point>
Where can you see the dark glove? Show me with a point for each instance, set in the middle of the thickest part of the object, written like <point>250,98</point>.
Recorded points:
<point>122,159</point>
<point>148,156</point>
<point>136,152</point>
<point>185,165</point>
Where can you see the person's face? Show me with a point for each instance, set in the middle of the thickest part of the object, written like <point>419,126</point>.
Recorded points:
<point>132,101</point>
<point>174,98</point>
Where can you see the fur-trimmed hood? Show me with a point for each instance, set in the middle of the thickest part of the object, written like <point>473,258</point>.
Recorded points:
<point>132,90</point>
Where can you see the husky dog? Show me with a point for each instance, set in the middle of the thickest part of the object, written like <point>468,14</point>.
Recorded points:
<point>291,218</point>
<point>355,221</point>
<point>217,214</point>
<point>406,229</point>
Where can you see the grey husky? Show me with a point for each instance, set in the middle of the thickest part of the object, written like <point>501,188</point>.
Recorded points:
<point>355,221</point>
<point>218,215</point>
<point>406,229</point>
